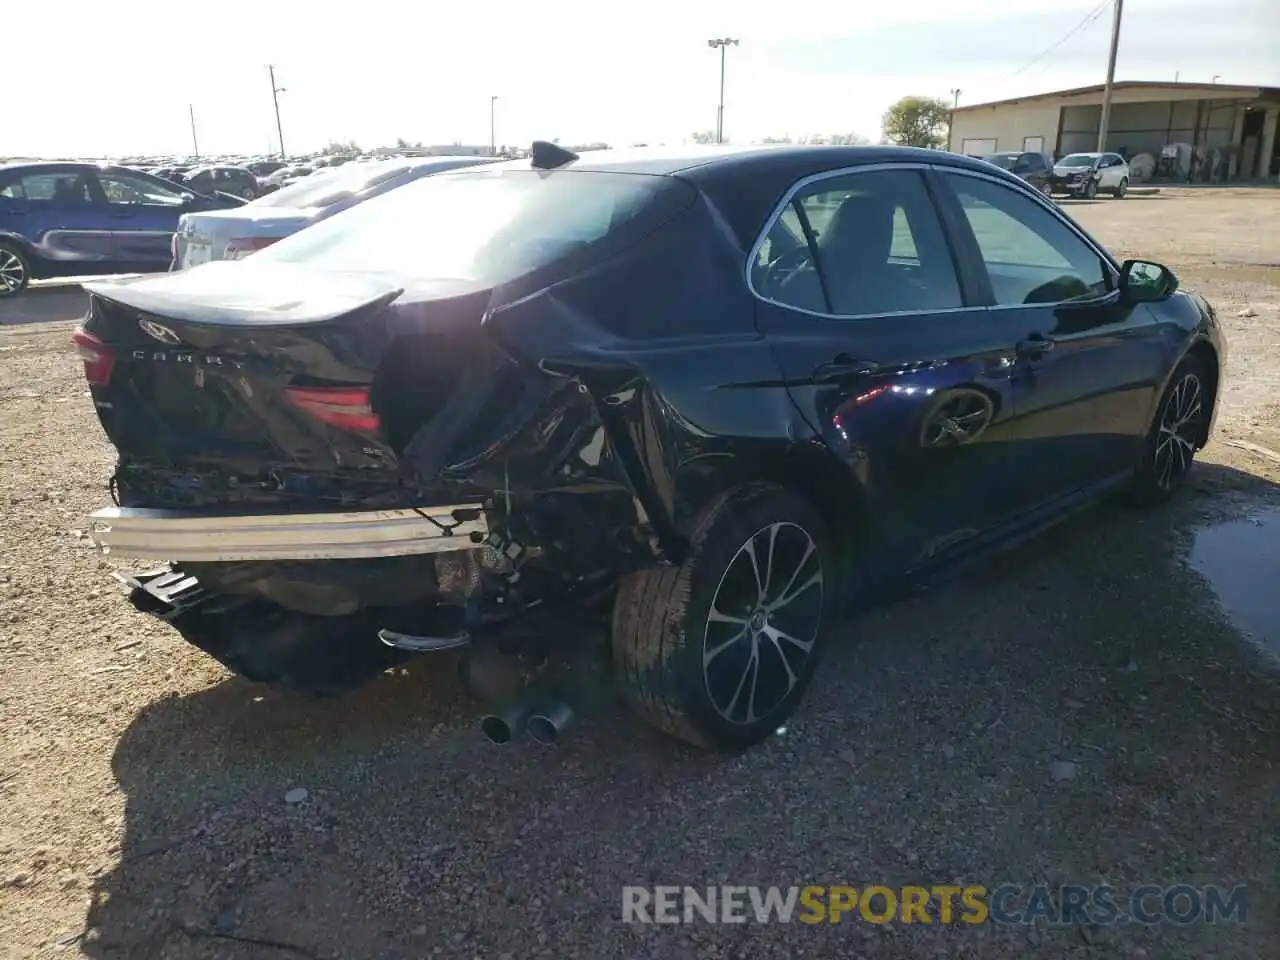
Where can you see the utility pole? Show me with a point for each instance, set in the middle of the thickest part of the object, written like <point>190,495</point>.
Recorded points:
<point>723,43</point>
<point>951,117</point>
<point>195,144</point>
<point>275,100</point>
<point>493,139</point>
<point>1105,120</point>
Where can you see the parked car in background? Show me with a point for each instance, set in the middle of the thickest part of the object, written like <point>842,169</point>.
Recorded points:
<point>1033,167</point>
<point>172,174</point>
<point>284,176</point>
<point>263,168</point>
<point>223,179</point>
<point>233,234</point>
<point>1088,174</point>
<point>75,219</point>
<point>739,394</point>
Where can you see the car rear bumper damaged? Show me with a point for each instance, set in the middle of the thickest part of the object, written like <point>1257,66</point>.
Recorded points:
<point>351,535</point>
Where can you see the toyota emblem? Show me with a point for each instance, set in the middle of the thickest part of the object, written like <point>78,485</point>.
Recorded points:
<point>159,331</point>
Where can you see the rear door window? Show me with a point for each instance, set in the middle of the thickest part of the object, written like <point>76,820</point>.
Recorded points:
<point>63,188</point>
<point>878,248</point>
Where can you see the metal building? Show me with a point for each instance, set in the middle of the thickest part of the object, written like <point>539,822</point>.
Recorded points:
<point>1145,116</point>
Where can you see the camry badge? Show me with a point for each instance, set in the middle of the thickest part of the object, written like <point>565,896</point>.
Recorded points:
<point>159,331</point>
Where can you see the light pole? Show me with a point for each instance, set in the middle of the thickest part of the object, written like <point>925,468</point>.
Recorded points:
<point>723,43</point>
<point>493,139</point>
<point>195,144</point>
<point>275,100</point>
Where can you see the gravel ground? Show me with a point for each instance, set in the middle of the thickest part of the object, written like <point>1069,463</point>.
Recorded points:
<point>1078,710</point>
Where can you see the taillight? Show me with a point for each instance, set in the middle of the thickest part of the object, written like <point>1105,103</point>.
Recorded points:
<point>241,247</point>
<point>346,408</point>
<point>99,359</point>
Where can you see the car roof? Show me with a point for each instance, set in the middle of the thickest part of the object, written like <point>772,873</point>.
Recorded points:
<point>746,182</point>
<point>37,166</point>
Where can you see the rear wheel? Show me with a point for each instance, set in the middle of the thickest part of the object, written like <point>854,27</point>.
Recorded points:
<point>719,650</point>
<point>1046,189</point>
<point>1122,189</point>
<point>15,272</point>
<point>1175,436</point>
<point>247,193</point>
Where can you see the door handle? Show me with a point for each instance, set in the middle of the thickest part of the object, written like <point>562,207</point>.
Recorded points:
<point>1036,345</point>
<point>843,367</point>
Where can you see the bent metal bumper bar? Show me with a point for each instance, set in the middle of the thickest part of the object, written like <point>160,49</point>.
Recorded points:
<point>352,535</point>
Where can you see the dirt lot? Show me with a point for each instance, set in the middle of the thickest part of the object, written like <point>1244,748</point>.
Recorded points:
<point>142,809</point>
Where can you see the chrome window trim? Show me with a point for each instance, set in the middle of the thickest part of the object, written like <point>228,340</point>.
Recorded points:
<point>781,206</point>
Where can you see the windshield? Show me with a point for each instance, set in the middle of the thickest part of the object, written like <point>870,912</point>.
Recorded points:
<point>328,186</point>
<point>1004,160</point>
<point>490,226</point>
<point>1077,160</point>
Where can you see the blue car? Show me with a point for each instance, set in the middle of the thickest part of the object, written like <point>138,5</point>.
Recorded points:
<point>73,219</point>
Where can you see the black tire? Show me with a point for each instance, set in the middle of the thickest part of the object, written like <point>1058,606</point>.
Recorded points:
<point>1122,189</point>
<point>662,623</point>
<point>248,193</point>
<point>1091,189</point>
<point>1176,435</point>
<point>15,270</point>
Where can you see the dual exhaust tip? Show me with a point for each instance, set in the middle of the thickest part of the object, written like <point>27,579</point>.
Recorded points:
<point>544,721</point>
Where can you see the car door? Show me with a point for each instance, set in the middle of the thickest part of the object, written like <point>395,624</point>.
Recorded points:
<point>889,356</point>
<point>50,210</point>
<point>1087,365</point>
<point>143,215</point>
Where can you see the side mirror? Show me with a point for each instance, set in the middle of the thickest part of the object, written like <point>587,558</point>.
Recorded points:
<point>1144,282</point>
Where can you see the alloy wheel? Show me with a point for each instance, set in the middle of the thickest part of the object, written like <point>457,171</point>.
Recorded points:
<point>763,622</point>
<point>13,272</point>
<point>1179,429</point>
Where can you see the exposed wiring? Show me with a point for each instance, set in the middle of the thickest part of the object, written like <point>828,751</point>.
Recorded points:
<point>1089,18</point>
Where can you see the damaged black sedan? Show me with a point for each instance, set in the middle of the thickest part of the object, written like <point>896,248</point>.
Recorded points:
<point>732,393</point>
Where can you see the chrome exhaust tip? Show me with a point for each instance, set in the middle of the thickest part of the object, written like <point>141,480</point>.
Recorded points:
<point>507,724</point>
<point>549,721</point>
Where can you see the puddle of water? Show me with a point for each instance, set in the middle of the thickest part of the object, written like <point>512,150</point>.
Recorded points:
<point>1241,561</point>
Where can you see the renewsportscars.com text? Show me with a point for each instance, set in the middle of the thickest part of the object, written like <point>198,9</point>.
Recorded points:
<point>944,904</point>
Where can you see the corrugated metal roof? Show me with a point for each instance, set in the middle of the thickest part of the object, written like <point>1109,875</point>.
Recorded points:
<point>1228,90</point>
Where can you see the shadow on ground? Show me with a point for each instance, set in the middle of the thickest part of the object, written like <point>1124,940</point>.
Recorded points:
<point>43,305</point>
<point>921,756</point>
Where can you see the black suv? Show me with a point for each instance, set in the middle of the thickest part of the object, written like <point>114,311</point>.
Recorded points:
<point>234,180</point>
<point>1035,168</point>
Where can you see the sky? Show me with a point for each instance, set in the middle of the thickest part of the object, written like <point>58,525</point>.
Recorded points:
<point>624,73</point>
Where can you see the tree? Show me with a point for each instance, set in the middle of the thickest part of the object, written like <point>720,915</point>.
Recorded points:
<point>338,148</point>
<point>917,122</point>
<point>777,140</point>
<point>848,139</point>
<point>704,136</point>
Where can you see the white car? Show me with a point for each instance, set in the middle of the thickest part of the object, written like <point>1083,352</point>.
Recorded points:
<point>1088,174</point>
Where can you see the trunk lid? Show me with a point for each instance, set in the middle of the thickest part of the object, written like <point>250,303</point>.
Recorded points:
<point>248,381</point>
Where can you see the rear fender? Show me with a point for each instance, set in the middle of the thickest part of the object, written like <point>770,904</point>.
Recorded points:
<point>671,411</point>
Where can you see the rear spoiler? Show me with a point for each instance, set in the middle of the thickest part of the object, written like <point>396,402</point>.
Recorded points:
<point>229,293</point>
